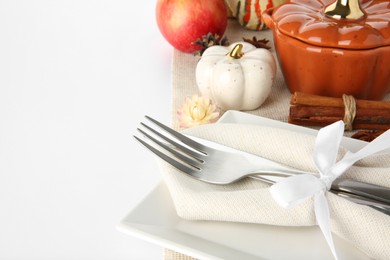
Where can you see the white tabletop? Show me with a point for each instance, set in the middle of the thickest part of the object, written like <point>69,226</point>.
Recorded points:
<point>76,77</point>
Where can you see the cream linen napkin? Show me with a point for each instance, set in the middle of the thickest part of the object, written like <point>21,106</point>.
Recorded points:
<point>250,201</point>
<point>275,107</point>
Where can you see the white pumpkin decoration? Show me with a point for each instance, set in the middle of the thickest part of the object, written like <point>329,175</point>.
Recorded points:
<point>238,77</point>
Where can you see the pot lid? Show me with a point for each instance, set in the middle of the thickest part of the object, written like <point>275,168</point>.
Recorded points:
<point>305,20</point>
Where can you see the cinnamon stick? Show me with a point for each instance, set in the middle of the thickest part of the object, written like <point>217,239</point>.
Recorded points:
<point>299,98</point>
<point>312,110</point>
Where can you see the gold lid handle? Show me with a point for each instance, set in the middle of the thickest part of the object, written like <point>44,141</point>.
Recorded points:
<point>345,9</point>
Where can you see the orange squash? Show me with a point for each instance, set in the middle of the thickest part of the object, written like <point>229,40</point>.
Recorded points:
<point>333,55</point>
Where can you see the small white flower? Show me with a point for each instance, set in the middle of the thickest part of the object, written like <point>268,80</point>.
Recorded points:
<point>197,110</point>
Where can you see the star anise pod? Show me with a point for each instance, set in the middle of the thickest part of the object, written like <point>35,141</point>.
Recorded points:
<point>210,40</point>
<point>367,135</point>
<point>258,43</point>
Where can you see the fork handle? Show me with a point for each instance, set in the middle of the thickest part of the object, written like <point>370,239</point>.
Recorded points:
<point>378,205</point>
<point>363,196</point>
<point>363,189</point>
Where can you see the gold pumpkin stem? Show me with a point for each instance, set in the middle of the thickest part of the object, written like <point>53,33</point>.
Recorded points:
<point>345,9</point>
<point>236,52</point>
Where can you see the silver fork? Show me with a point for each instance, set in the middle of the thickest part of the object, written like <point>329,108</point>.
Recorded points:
<point>215,163</point>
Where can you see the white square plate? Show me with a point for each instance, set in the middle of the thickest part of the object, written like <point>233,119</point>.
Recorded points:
<point>155,220</point>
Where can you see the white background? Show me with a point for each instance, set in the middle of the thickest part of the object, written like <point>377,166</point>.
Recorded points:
<point>76,77</point>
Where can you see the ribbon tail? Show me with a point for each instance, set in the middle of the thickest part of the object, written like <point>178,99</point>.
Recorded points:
<point>321,209</point>
<point>293,190</point>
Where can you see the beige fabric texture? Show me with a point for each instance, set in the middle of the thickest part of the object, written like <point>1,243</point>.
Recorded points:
<point>250,200</point>
<point>172,255</point>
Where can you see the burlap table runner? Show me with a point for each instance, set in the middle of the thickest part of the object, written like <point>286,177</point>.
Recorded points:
<point>184,85</point>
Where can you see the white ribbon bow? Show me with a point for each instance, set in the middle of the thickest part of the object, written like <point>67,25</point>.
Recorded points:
<point>295,189</point>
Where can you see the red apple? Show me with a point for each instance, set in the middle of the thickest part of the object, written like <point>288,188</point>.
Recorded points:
<point>182,22</point>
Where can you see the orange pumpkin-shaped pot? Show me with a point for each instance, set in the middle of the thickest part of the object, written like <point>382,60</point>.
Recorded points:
<point>324,52</point>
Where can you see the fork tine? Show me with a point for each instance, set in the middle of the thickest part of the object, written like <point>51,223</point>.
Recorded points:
<point>191,161</point>
<point>196,155</point>
<point>180,166</point>
<point>201,148</point>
